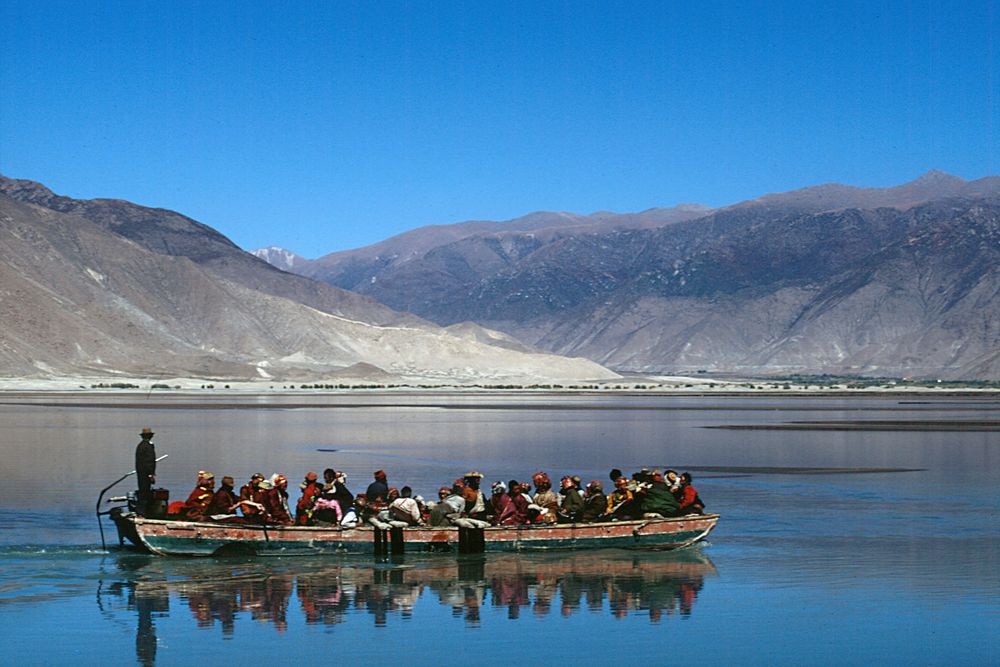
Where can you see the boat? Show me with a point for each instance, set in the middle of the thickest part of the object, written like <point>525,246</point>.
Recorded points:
<point>168,537</point>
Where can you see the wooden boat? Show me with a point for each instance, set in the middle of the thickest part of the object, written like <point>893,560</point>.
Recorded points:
<point>188,538</point>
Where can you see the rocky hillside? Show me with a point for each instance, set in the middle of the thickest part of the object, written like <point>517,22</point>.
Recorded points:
<point>832,278</point>
<point>106,287</point>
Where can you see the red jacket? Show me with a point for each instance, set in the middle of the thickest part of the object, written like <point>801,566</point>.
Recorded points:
<point>253,493</point>
<point>223,501</point>
<point>276,506</point>
<point>197,504</point>
<point>310,493</point>
<point>690,499</point>
<point>516,512</point>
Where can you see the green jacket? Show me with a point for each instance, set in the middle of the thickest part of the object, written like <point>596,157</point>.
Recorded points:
<point>659,499</point>
<point>572,502</point>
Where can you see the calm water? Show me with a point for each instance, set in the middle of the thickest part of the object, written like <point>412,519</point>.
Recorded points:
<point>900,567</point>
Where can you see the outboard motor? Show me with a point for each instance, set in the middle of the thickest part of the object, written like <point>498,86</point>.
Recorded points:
<point>158,505</point>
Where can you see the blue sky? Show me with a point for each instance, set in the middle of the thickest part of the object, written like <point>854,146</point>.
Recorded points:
<point>321,126</point>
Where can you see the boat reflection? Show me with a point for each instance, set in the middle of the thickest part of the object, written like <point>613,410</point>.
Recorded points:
<point>220,593</point>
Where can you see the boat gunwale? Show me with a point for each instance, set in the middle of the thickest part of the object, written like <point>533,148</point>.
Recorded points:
<point>138,520</point>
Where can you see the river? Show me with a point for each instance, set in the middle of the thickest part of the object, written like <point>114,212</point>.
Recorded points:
<point>854,530</point>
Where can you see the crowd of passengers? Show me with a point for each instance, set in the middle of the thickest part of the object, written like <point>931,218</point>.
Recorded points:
<point>646,494</point>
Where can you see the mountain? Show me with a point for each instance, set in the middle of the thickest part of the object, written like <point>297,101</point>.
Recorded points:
<point>363,268</point>
<point>831,278</point>
<point>109,288</point>
<point>875,292</point>
<point>286,260</point>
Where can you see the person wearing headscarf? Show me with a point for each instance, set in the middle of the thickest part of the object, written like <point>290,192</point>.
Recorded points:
<point>516,513</point>
<point>499,500</point>
<point>621,502</point>
<point>378,489</point>
<point>310,492</point>
<point>276,502</point>
<point>572,504</point>
<point>545,498</point>
<point>200,499</point>
<point>453,503</point>
<point>252,498</point>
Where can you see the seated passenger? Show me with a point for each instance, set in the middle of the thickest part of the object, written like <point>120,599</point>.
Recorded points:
<point>595,503</point>
<point>342,494</point>
<point>499,500</point>
<point>378,489</point>
<point>225,500</point>
<point>357,513</point>
<point>475,501</point>
<point>252,498</point>
<point>276,503</point>
<point>310,492</point>
<point>545,498</point>
<point>690,501</point>
<point>405,508</point>
<point>572,504</point>
<point>621,503</point>
<point>656,500</point>
<point>200,499</point>
<point>326,510</point>
<point>672,481</point>
<point>517,510</point>
<point>453,503</point>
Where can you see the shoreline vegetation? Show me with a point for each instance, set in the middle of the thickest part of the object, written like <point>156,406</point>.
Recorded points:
<point>812,385</point>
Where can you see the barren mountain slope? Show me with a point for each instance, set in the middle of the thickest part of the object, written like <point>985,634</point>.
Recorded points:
<point>76,298</point>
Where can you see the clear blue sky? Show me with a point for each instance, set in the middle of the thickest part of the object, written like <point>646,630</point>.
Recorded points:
<point>321,126</point>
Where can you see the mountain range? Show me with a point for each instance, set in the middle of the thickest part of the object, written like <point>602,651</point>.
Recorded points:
<point>899,281</point>
<point>109,288</point>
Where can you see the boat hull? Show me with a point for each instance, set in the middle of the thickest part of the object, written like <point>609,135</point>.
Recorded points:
<point>186,538</point>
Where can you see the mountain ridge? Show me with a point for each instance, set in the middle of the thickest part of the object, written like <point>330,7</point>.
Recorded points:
<point>620,295</point>
<point>110,288</point>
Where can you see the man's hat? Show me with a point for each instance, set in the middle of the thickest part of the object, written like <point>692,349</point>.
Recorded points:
<point>146,431</point>
<point>257,475</point>
<point>379,474</point>
<point>311,476</point>
<point>203,474</point>
<point>228,481</point>
<point>473,474</point>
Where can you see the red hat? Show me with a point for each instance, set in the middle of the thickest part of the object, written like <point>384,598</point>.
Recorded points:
<point>567,483</point>
<point>621,483</point>
<point>379,474</point>
<point>540,478</point>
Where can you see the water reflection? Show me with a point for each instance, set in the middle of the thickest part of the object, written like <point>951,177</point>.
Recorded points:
<point>222,594</point>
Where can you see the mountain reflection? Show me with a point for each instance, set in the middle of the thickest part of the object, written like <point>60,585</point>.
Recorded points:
<point>218,593</point>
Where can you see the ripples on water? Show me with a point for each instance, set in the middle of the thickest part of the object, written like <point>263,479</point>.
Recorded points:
<point>846,567</point>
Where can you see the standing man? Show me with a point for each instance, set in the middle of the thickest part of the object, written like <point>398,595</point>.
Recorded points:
<point>145,470</point>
